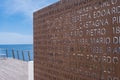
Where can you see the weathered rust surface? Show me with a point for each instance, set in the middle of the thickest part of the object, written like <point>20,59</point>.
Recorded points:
<point>78,40</point>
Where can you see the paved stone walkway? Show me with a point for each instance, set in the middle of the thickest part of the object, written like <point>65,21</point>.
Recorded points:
<point>11,69</point>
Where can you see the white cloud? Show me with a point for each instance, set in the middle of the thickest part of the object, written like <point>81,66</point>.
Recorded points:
<point>15,38</point>
<point>26,7</point>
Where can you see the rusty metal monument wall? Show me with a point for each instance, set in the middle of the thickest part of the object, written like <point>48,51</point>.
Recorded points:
<point>77,40</point>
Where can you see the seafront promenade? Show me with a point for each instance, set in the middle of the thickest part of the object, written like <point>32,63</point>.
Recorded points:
<point>13,69</point>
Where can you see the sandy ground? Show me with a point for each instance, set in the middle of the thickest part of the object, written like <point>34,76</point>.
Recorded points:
<point>12,69</point>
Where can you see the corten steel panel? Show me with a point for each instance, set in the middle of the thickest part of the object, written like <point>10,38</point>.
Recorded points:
<point>78,40</point>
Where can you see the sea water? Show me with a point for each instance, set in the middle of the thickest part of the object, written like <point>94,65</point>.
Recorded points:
<point>18,49</point>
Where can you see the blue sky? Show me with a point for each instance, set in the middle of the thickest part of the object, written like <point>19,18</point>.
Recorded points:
<point>16,20</point>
